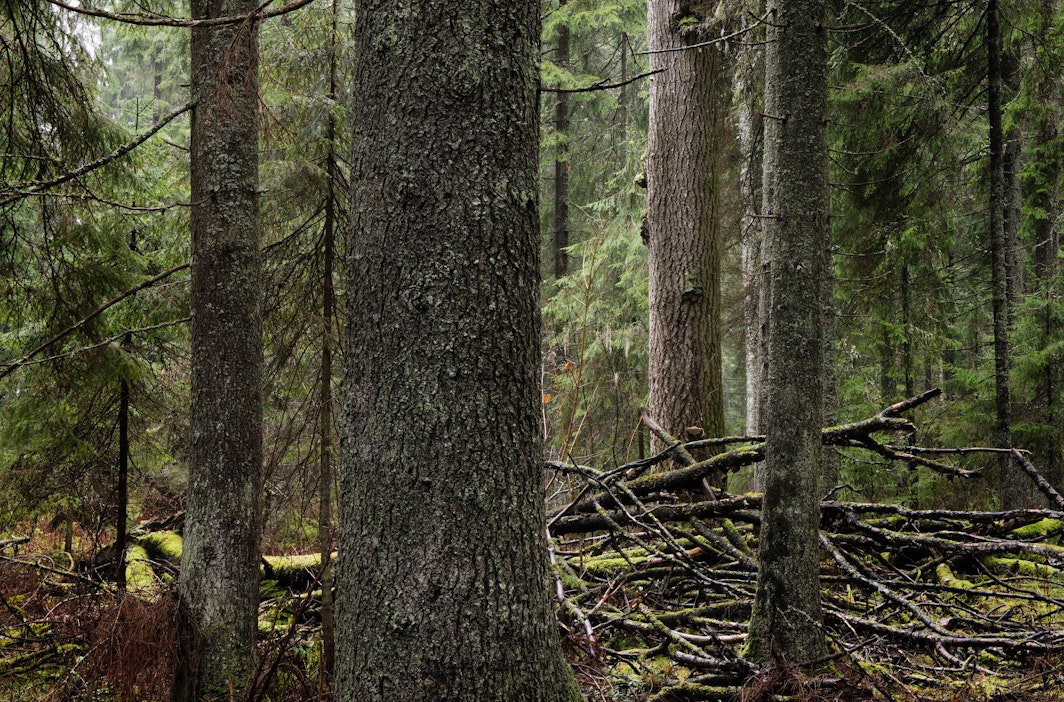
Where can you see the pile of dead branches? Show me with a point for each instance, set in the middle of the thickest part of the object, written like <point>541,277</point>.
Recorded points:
<point>656,588</point>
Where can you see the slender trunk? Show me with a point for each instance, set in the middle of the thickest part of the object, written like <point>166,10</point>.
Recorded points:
<point>325,478</point>
<point>683,228</point>
<point>157,83</point>
<point>764,325</point>
<point>749,126</point>
<point>1012,198</point>
<point>770,149</point>
<point>785,624</point>
<point>325,473</point>
<point>622,101</point>
<point>68,527</point>
<point>1045,200</point>
<point>1011,491</point>
<point>123,477</point>
<point>907,329</point>
<point>219,578</point>
<point>561,162</point>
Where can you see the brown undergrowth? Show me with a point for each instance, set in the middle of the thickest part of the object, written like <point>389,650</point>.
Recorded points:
<point>135,647</point>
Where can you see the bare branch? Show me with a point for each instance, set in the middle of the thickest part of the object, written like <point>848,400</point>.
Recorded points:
<point>151,20</point>
<point>600,85</point>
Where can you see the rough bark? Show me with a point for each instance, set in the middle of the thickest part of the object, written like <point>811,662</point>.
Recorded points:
<point>683,224</point>
<point>748,121</point>
<point>769,150</point>
<point>220,562</point>
<point>786,619</point>
<point>442,577</point>
<point>830,459</point>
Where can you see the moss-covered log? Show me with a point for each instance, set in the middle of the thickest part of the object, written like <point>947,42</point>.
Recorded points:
<point>163,548</point>
<point>296,572</point>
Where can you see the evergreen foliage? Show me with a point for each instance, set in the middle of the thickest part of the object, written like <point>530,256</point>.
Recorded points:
<point>909,224</point>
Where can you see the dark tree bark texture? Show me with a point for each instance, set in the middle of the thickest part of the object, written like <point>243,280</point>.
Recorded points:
<point>785,624</point>
<point>1013,487</point>
<point>325,414</point>
<point>442,588</point>
<point>561,162</point>
<point>219,583</point>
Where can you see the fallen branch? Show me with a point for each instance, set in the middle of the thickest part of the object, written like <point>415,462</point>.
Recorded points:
<point>927,595</point>
<point>1043,484</point>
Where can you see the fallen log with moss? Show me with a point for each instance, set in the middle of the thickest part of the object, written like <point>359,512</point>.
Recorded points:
<point>155,557</point>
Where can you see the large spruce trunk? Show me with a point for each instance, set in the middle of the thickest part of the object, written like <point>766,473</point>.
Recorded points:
<point>785,624</point>
<point>682,226</point>
<point>219,582</point>
<point>442,589</point>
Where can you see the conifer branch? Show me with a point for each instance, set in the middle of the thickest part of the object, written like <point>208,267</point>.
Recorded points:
<point>12,367</point>
<point>26,189</point>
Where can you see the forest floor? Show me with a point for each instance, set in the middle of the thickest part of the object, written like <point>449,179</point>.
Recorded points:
<point>655,576</point>
<point>918,605</point>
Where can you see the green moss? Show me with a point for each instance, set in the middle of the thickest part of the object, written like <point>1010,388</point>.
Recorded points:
<point>1039,530</point>
<point>1020,566</point>
<point>605,567</point>
<point>571,684</point>
<point>736,538</point>
<point>162,544</point>
<point>572,582</point>
<point>139,573</point>
<point>944,575</point>
<point>292,571</point>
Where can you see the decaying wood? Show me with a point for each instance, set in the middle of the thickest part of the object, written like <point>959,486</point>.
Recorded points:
<point>14,541</point>
<point>913,599</point>
<point>1043,484</point>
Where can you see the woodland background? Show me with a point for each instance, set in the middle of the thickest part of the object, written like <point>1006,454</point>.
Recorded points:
<point>94,386</point>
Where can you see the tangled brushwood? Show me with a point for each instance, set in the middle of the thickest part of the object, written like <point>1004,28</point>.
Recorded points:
<point>656,588</point>
<point>655,577</point>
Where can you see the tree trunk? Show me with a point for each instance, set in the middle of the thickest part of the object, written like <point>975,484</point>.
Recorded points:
<point>121,538</point>
<point>442,578</point>
<point>770,141</point>
<point>622,101</point>
<point>220,562</point>
<point>786,620</point>
<point>830,460</point>
<point>1044,199</point>
<point>325,428</point>
<point>1012,198</point>
<point>1011,487</point>
<point>749,127</point>
<point>683,226</point>
<point>561,162</point>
